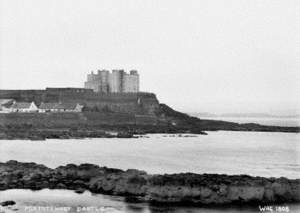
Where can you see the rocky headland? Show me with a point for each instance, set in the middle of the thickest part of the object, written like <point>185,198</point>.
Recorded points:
<point>41,126</point>
<point>185,188</point>
<point>126,114</point>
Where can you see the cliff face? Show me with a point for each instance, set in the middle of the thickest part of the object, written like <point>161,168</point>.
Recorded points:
<point>185,188</point>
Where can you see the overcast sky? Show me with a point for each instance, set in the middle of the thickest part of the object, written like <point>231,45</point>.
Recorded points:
<point>217,56</point>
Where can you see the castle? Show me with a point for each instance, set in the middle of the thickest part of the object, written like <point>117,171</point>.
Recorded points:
<point>117,81</point>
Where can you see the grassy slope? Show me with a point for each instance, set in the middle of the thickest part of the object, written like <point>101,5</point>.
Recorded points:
<point>166,120</point>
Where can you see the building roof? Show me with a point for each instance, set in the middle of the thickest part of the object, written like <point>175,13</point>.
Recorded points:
<point>69,106</point>
<point>65,106</point>
<point>21,105</point>
<point>48,105</point>
<point>6,101</point>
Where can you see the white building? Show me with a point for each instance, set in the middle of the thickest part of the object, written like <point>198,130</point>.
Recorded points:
<point>24,107</point>
<point>48,107</point>
<point>69,107</point>
<point>60,107</point>
<point>5,105</point>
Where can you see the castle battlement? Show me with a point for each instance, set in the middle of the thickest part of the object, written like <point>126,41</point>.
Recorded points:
<point>116,81</point>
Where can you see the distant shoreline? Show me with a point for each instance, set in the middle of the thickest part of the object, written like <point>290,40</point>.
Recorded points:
<point>244,115</point>
<point>37,126</point>
<point>268,121</point>
<point>34,133</point>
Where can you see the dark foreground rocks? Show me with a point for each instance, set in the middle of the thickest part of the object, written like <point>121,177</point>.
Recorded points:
<point>187,188</point>
<point>7,203</point>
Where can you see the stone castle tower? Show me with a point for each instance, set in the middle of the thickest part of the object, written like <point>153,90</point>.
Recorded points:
<point>117,81</point>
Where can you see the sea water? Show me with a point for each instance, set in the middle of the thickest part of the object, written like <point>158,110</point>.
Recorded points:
<point>253,153</point>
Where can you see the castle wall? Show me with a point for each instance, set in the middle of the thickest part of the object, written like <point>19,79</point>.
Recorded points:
<point>92,82</point>
<point>130,83</point>
<point>92,85</point>
<point>115,82</point>
<point>104,81</point>
<point>23,95</point>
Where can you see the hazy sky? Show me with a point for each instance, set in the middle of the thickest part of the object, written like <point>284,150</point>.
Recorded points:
<point>204,55</point>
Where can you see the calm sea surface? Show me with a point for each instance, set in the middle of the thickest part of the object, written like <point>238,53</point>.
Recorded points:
<point>253,153</point>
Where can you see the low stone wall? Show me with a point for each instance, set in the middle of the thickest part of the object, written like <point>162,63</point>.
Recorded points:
<point>184,188</point>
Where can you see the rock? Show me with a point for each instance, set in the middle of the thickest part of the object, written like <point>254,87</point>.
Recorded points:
<point>61,186</point>
<point>185,188</point>
<point>245,194</point>
<point>79,190</point>
<point>8,203</point>
<point>124,135</point>
<point>282,191</point>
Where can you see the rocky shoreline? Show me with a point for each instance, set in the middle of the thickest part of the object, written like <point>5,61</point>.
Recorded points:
<point>24,132</point>
<point>185,188</point>
<point>30,132</point>
<point>69,133</point>
<point>63,133</point>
